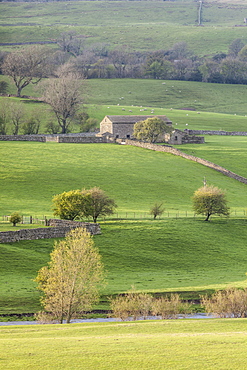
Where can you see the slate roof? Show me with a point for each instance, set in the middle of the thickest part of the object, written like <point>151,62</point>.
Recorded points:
<point>134,119</point>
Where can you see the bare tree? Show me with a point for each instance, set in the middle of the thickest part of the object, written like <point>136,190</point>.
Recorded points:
<point>26,66</point>
<point>120,59</point>
<point>63,96</point>
<point>70,42</point>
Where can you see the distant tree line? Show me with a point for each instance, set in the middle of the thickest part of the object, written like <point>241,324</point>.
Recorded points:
<point>102,61</point>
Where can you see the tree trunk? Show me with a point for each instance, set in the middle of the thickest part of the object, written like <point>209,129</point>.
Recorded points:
<point>207,218</point>
<point>19,92</point>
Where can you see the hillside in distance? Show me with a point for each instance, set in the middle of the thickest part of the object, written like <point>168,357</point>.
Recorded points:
<point>154,24</point>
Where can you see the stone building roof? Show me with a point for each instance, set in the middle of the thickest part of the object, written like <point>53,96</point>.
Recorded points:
<point>134,119</point>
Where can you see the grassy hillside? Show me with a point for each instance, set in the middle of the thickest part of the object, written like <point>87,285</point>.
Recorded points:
<point>174,98</point>
<point>229,152</point>
<point>155,24</point>
<point>179,254</point>
<point>185,255</point>
<point>220,343</point>
<point>33,172</point>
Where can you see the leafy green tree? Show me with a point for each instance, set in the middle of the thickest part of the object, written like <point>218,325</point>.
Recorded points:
<point>31,126</point>
<point>97,203</point>
<point>159,69</point>
<point>15,218</point>
<point>71,281</point>
<point>210,200</point>
<point>69,205</point>
<point>151,129</point>
<point>86,123</point>
<point>157,210</point>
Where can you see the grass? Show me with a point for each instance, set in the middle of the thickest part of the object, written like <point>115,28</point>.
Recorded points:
<point>183,254</point>
<point>138,178</point>
<point>7,226</point>
<point>155,24</point>
<point>168,344</point>
<point>197,96</point>
<point>229,152</point>
<point>221,107</point>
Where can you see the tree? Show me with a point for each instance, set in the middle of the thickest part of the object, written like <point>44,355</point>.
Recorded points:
<point>86,203</point>
<point>97,203</point>
<point>31,126</point>
<point>70,42</point>
<point>16,113</point>
<point>26,66</point>
<point>15,218</point>
<point>157,210</point>
<point>71,280</point>
<point>120,59</point>
<point>210,200</point>
<point>233,71</point>
<point>150,129</point>
<point>159,69</point>
<point>4,87</point>
<point>63,96</point>
<point>4,116</point>
<point>86,123</point>
<point>235,47</point>
<point>69,205</point>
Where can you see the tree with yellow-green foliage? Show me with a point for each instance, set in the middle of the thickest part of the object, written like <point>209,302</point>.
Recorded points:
<point>70,283</point>
<point>210,200</point>
<point>151,129</point>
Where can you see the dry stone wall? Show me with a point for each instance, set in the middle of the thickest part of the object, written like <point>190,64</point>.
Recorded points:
<point>169,149</point>
<point>58,230</point>
<point>40,138</point>
<point>215,132</point>
<point>62,138</point>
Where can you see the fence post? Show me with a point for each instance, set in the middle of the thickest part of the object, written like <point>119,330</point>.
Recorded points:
<point>31,220</point>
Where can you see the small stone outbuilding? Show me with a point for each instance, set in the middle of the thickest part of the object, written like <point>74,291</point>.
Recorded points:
<point>122,127</point>
<point>178,137</point>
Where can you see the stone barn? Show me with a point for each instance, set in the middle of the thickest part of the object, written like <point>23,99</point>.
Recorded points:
<point>122,126</point>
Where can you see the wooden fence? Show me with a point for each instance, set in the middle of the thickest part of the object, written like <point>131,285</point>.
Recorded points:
<point>172,213</point>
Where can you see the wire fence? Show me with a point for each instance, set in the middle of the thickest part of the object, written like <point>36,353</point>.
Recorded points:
<point>175,214</point>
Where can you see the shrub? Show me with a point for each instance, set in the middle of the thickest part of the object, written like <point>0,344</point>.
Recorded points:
<point>169,308</point>
<point>15,218</point>
<point>131,305</point>
<point>230,302</point>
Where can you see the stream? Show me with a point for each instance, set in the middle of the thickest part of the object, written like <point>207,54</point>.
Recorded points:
<point>195,316</point>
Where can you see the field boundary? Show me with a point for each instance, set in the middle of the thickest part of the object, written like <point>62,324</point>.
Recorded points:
<point>171,150</point>
<point>57,229</point>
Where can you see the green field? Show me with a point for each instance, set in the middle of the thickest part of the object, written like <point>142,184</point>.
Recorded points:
<point>180,344</point>
<point>32,173</point>
<point>193,105</point>
<point>174,253</point>
<point>227,151</point>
